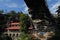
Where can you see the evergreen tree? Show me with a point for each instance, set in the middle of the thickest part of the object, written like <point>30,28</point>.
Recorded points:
<point>25,24</point>
<point>57,32</point>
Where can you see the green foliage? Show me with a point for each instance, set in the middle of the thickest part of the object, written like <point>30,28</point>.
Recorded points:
<point>24,26</point>
<point>24,36</point>
<point>24,22</point>
<point>4,37</point>
<point>23,19</point>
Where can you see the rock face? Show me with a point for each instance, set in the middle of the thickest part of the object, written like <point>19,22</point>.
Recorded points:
<point>41,17</point>
<point>38,8</point>
<point>37,5</point>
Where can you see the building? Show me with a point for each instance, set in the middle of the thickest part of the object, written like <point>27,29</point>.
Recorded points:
<point>12,30</point>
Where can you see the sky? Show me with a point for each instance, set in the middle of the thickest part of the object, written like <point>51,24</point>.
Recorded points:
<point>19,5</point>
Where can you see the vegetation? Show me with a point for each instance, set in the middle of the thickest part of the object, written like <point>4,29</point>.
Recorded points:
<point>24,36</point>
<point>57,32</point>
<point>25,24</point>
<point>19,17</point>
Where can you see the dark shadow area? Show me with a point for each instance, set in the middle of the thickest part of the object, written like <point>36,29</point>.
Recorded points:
<point>3,25</point>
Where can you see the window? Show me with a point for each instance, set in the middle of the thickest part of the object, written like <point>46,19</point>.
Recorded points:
<point>13,35</point>
<point>6,34</point>
<point>10,34</point>
<point>17,35</point>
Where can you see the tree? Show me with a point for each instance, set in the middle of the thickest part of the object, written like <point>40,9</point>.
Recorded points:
<point>2,19</point>
<point>58,11</point>
<point>25,24</point>
<point>11,16</point>
<point>1,11</point>
<point>2,24</point>
<point>24,36</point>
<point>57,32</point>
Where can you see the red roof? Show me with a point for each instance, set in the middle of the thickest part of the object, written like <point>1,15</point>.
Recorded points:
<point>13,28</point>
<point>13,23</point>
